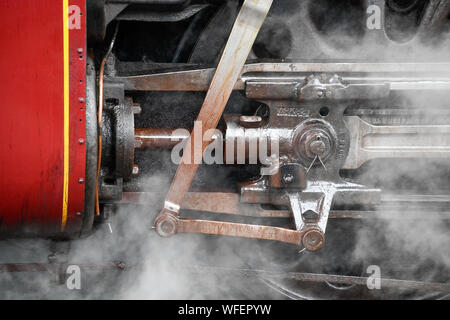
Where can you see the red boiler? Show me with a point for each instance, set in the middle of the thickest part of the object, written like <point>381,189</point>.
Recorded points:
<point>43,114</point>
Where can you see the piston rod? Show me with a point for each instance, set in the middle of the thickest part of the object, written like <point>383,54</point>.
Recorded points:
<point>156,138</point>
<point>367,141</point>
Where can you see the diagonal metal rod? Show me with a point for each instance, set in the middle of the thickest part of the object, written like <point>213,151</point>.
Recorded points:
<point>237,49</point>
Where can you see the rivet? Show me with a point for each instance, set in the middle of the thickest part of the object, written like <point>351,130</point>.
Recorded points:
<point>321,93</point>
<point>135,170</point>
<point>80,50</point>
<point>81,141</point>
<point>288,178</point>
<point>81,100</point>
<point>80,180</point>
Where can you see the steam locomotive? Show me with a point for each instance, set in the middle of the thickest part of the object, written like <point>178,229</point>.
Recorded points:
<point>289,121</point>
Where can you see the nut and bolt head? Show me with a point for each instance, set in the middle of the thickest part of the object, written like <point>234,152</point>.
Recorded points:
<point>321,93</point>
<point>313,240</point>
<point>137,110</point>
<point>317,147</point>
<point>316,143</point>
<point>166,225</point>
<point>135,170</point>
<point>138,143</point>
<point>288,178</point>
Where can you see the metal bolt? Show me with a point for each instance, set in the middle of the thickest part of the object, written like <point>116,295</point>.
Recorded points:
<point>137,110</point>
<point>137,143</point>
<point>81,141</point>
<point>81,100</point>
<point>320,93</point>
<point>315,142</point>
<point>80,180</point>
<point>78,213</point>
<point>135,171</point>
<point>80,50</point>
<point>166,225</point>
<point>317,147</point>
<point>310,216</point>
<point>313,240</point>
<point>288,178</point>
<point>250,121</point>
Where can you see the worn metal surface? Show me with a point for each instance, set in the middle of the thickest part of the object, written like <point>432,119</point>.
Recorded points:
<point>161,16</point>
<point>157,138</point>
<point>42,182</point>
<point>118,141</point>
<point>239,230</point>
<point>425,75</point>
<point>367,141</point>
<point>370,142</point>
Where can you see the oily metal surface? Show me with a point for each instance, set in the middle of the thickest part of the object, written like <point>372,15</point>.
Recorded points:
<point>200,79</point>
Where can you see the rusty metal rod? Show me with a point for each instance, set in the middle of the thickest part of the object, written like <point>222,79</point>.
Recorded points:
<point>240,230</point>
<point>156,138</point>
<point>167,139</point>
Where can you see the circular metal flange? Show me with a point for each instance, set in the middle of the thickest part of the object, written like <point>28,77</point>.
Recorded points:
<point>166,224</point>
<point>313,239</point>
